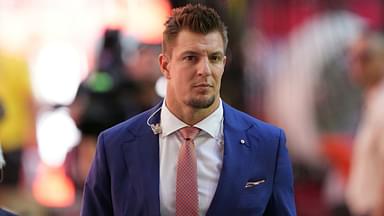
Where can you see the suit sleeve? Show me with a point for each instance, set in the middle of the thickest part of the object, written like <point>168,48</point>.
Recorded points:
<point>282,201</point>
<point>97,195</point>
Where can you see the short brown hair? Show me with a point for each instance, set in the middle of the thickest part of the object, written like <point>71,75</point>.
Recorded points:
<point>196,18</point>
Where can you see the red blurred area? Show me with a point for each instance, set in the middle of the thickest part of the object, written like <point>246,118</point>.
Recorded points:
<point>338,150</point>
<point>52,188</point>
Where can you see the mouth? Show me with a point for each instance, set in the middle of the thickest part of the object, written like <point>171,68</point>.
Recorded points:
<point>202,85</point>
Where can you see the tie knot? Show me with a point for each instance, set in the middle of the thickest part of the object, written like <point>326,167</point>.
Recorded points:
<point>189,133</point>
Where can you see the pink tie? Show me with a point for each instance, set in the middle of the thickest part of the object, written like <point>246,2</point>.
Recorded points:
<point>187,201</point>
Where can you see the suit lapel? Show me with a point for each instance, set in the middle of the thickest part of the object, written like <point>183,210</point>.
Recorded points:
<point>149,149</point>
<point>142,155</point>
<point>233,177</point>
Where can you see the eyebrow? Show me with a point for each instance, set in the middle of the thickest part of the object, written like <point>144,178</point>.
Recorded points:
<point>191,52</point>
<point>217,53</point>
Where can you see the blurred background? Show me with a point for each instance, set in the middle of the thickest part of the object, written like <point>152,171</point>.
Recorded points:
<point>69,69</point>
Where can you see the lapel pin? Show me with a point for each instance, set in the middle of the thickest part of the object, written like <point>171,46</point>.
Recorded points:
<point>242,141</point>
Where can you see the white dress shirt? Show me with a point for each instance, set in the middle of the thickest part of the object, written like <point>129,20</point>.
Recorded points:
<point>209,147</point>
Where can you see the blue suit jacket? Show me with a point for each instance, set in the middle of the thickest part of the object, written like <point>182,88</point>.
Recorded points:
<point>124,176</point>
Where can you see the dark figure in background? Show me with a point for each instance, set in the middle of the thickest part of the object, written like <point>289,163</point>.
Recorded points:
<point>111,94</point>
<point>107,97</point>
<point>240,164</point>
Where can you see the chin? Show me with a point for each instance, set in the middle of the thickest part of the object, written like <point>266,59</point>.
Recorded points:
<point>202,103</point>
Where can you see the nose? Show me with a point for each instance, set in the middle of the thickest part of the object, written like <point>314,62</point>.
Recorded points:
<point>204,67</point>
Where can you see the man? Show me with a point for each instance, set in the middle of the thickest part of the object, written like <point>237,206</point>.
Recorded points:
<point>242,163</point>
<point>365,186</point>
<point>17,116</point>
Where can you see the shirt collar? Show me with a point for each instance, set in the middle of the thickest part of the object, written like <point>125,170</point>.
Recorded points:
<point>211,124</point>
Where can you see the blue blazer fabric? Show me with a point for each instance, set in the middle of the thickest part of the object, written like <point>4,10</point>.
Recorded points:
<point>256,176</point>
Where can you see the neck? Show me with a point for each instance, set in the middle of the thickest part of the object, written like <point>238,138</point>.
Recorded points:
<point>371,92</point>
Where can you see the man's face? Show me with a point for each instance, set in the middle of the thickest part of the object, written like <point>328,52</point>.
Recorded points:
<point>365,63</point>
<point>193,68</point>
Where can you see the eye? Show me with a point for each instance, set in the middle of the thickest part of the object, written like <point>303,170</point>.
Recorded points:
<point>190,58</point>
<point>216,58</point>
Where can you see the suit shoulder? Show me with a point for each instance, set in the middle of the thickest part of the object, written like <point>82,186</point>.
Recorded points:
<point>253,122</point>
<point>127,128</point>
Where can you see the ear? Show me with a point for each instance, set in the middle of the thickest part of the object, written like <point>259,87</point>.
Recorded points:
<point>225,60</point>
<point>164,65</point>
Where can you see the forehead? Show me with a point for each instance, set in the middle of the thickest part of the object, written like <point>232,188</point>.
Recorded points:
<point>197,42</point>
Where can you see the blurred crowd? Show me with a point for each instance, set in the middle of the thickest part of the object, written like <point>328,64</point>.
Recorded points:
<point>314,68</point>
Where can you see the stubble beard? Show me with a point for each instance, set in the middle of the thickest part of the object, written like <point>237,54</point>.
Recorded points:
<point>201,103</point>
